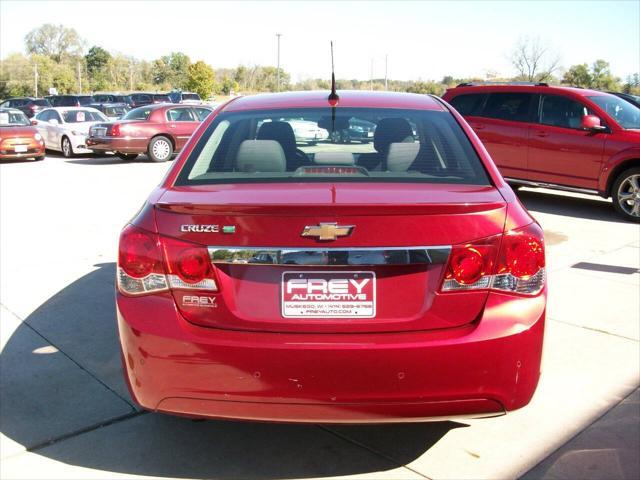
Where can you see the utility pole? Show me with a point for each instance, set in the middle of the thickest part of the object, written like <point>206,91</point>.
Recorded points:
<point>386,64</point>
<point>371,76</point>
<point>79,79</point>
<point>35,79</point>
<point>278,70</point>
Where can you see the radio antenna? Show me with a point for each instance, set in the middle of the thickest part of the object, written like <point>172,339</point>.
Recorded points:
<point>333,96</point>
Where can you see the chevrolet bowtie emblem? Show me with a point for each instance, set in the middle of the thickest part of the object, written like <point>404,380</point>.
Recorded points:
<point>327,231</point>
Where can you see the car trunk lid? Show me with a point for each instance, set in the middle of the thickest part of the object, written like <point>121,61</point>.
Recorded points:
<point>384,274</point>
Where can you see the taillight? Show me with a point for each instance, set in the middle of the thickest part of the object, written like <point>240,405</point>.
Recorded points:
<point>140,268</point>
<point>149,263</point>
<point>115,130</point>
<point>188,265</point>
<point>521,263</point>
<point>519,266</point>
<point>470,266</point>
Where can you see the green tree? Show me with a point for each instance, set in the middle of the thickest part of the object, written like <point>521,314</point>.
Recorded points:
<point>171,69</point>
<point>97,61</point>
<point>55,41</point>
<point>578,76</point>
<point>201,79</point>
<point>598,76</point>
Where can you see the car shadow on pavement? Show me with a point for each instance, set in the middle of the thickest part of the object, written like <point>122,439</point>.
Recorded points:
<point>63,397</point>
<point>588,208</point>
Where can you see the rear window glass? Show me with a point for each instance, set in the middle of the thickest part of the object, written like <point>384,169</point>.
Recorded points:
<point>203,113</point>
<point>352,144</point>
<point>85,100</point>
<point>115,111</point>
<point>141,113</point>
<point>79,116</point>
<point>162,98</point>
<point>508,106</point>
<point>64,101</point>
<point>41,102</point>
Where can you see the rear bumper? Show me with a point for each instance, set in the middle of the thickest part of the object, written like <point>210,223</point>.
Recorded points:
<point>117,144</point>
<point>478,370</point>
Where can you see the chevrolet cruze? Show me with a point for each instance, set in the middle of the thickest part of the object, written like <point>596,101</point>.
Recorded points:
<point>397,280</point>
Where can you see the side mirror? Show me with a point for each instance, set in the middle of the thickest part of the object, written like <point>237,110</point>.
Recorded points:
<point>592,123</point>
<point>53,121</point>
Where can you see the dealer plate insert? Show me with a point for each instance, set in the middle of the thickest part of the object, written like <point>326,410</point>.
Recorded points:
<point>323,294</point>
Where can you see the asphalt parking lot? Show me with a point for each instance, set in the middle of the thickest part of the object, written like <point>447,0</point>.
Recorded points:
<point>65,411</point>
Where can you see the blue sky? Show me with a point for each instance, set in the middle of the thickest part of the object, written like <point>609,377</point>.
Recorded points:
<point>423,40</point>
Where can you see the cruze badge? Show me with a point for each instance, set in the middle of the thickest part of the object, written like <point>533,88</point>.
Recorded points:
<point>208,228</point>
<point>327,231</point>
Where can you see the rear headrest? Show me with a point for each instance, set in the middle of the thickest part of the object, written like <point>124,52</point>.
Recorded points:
<point>281,132</point>
<point>260,156</point>
<point>390,130</point>
<point>334,158</point>
<point>401,155</point>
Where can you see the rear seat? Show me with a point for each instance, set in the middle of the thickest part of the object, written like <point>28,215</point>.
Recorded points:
<point>260,156</point>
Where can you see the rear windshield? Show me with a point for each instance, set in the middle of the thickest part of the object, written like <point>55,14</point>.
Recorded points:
<point>79,116</point>
<point>41,102</point>
<point>350,144</point>
<point>115,111</point>
<point>64,101</point>
<point>141,113</point>
<point>624,113</point>
<point>190,96</point>
<point>162,98</point>
<point>9,119</point>
<point>85,100</point>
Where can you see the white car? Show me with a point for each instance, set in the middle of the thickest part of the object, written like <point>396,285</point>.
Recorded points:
<point>308,132</point>
<point>66,129</point>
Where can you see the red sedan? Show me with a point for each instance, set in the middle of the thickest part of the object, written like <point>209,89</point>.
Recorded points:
<point>398,280</point>
<point>18,138</point>
<point>157,130</point>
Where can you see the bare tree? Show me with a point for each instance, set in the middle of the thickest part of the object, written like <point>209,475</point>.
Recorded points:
<point>533,61</point>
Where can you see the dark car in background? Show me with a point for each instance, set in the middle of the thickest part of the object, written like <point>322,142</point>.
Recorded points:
<point>359,130</point>
<point>185,97</point>
<point>71,100</point>
<point>161,98</point>
<point>27,105</point>
<point>110,98</point>
<point>632,99</point>
<point>113,111</point>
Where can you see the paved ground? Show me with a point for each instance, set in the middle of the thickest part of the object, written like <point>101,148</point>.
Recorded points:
<point>65,412</point>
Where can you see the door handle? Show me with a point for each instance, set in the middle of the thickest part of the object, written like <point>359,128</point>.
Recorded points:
<point>541,134</point>
<point>173,125</point>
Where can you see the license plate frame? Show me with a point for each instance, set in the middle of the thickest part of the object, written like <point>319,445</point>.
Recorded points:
<point>340,299</point>
<point>21,148</point>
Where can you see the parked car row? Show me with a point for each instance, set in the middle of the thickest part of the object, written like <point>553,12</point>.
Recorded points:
<point>30,105</point>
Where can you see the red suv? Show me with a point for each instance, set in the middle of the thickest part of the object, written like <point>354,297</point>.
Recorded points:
<point>558,137</point>
<point>396,280</point>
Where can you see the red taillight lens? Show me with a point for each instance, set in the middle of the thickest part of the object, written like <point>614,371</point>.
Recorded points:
<point>139,253</point>
<point>115,130</point>
<point>522,254</point>
<point>518,268</point>
<point>188,265</point>
<point>193,265</point>
<point>140,268</point>
<point>466,265</point>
